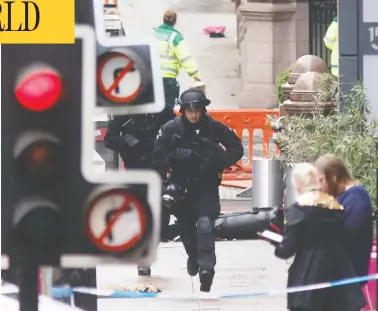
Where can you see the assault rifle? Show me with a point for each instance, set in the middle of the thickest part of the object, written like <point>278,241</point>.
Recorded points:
<point>203,146</point>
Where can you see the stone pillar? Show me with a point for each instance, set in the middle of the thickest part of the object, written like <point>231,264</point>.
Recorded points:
<point>302,28</point>
<point>267,46</point>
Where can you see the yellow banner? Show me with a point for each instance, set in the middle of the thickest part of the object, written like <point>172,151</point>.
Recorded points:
<point>37,21</point>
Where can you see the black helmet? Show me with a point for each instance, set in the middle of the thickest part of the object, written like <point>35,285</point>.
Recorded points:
<point>193,98</point>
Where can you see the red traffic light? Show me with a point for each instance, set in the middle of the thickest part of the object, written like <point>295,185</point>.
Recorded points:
<point>37,155</point>
<point>39,88</point>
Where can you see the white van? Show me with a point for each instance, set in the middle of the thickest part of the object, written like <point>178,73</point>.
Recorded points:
<point>113,22</point>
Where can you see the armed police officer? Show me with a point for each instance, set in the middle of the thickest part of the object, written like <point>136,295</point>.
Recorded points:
<point>190,147</point>
<point>132,136</point>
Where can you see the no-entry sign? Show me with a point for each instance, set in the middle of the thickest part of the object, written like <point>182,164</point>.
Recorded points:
<point>116,220</point>
<point>118,78</point>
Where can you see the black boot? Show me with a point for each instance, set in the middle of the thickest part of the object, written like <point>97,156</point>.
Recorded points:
<point>192,266</point>
<point>144,271</point>
<point>206,279</point>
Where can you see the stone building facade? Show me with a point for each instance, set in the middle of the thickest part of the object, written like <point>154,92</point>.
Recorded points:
<point>272,34</point>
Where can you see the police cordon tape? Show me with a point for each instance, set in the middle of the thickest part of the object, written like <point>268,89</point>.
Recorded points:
<point>63,292</point>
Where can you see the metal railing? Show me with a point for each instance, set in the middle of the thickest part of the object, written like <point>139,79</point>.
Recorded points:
<point>321,14</point>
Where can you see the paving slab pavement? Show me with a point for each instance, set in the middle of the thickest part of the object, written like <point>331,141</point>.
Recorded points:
<point>242,267</point>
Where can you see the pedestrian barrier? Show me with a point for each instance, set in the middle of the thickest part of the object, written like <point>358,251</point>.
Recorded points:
<point>247,124</point>
<point>62,292</point>
<point>252,128</point>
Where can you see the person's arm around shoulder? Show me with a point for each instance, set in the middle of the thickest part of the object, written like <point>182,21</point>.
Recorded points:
<point>233,144</point>
<point>357,206</point>
<point>184,56</point>
<point>289,245</point>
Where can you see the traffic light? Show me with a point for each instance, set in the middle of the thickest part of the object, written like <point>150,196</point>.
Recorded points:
<point>41,98</point>
<point>55,209</point>
<point>128,75</point>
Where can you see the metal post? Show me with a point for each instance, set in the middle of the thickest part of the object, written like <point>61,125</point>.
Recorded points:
<point>267,185</point>
<point>358,48</point>
<point>349,69</point>
<point>83,301</point>
<point>28,286</point>
<point>368,46</point>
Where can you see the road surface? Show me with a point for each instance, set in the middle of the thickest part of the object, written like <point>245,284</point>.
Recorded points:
<point>236,205</point>
<point>242,267</point>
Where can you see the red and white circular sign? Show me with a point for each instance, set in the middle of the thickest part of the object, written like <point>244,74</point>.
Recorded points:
<point>116,220</point>
<point>118,79</point>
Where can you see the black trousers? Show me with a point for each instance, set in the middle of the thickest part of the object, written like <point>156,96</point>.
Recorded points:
<point>196,215</point>
<point>171,91</point>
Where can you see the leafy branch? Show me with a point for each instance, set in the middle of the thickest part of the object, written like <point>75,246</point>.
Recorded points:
<point>351,135</point>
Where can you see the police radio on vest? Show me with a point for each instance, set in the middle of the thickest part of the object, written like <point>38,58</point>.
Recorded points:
<point>29,7</point>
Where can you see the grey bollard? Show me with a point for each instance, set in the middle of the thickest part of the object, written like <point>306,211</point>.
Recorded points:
<point>290,197</point>
<point>267,183</point>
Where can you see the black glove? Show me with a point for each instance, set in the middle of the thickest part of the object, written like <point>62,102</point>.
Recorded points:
<point>213,146</point>
<point>224,161</point>
<point>217,154</point>
<point>210,166</point>
<point>217,161</point>
<point>183,154</point>
<point>131,141</point>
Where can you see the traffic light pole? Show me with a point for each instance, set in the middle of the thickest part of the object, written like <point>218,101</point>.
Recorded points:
<point>28,288</point>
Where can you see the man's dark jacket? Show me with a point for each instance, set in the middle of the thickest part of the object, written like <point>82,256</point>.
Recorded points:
<point>144,127</point>
<point>194,164</point>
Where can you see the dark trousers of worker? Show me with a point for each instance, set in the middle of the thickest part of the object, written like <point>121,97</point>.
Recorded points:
<point>196,215</point>
<point>171,91</point>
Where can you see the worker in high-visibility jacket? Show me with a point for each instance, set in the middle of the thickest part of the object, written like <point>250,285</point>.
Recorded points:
<point>174,54</point>
<point>331,41</point>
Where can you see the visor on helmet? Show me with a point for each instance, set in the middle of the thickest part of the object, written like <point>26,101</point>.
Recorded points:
<point>193,99</point>
<point>193,104</point>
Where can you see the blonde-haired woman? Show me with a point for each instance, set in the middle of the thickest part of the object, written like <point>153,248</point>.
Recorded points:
<point>314,235</point>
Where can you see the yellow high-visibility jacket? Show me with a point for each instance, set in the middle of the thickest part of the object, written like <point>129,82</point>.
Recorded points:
<point>174,53</point>
<point>331,41</point>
